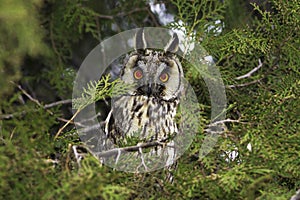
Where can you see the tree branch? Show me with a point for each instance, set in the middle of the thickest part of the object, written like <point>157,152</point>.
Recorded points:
<point>251,72</point>
<point>66,124</point>
<point>47,106</point>
<point>244,84</point>
<point>117,151</point>
<point>225,120</point>
<point>50,105</point>
<point>105,16</point>
<point>121,14</point>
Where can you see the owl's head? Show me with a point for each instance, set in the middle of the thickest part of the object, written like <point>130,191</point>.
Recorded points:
<point>154,73</point>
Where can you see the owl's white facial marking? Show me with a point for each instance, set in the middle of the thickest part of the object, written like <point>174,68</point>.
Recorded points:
<point>155,74</point>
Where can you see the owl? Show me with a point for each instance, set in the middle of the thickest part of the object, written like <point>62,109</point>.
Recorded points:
<point>147,111</point>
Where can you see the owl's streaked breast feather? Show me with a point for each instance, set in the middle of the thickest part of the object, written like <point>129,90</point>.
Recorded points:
<point>151,118</point>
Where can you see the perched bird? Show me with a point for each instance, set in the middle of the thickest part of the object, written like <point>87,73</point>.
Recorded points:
<point>147,111</point>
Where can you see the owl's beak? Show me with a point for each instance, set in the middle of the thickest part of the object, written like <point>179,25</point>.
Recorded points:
<point>150,89</point>
<point>146,89</point>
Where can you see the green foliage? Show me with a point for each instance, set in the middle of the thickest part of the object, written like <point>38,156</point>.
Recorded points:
<point>99,90</point>
<point>42,44</point>
<point>198,15</point>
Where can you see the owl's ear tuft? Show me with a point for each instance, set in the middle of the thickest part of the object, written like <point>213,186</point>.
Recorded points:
<point>173,45</point>
<point>140,41</point>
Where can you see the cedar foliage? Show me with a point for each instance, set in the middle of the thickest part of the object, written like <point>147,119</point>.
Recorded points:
<point>42,46</point>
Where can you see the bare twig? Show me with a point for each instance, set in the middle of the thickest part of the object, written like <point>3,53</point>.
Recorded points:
<point>118,157</point>
<point>66,124</point>
<point>105,16</point>
<point>78,157</point>
<point>47,106</point>
<point>28,95</point>
<point>142,158</point>
<point>68,159</point>
<point>90,128</point>
<point>251,72</point>
<point>225,120</point>
<point>50,105</point>
<point>219,126</point>
<point>122,14</point>
<point>9,116</point>
<point>31,98</point>
<point>116,151</point>
<point>91,118</point>
<point>12,133</point>
<point>244,84</point>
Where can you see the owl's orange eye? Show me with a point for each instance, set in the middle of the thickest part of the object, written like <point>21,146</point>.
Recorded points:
<point>138,74</point>
<point>164,77</point>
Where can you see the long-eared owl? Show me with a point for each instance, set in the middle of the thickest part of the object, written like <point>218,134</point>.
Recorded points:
<point>148,109</point>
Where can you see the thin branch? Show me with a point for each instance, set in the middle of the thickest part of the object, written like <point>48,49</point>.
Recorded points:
<point>47,106</point>
<point>12,133</point>
<point>244,84</point>
<point>78,156</point>
<point>118,157</point>
<point>122,14</point>
<point>50,105</point>
<point>251,72</point>
<point>68,159</point>
<point>28,95</point>
<point>9,116</point>
<point>32,99</point>
<point>66,124</point>
<point>142,158</point>
<point>226,120</point>
<point>63,120</point>
<point>220,124</point>
<point>51,113</point>
<point>105,16</point>
<point>90,128</point>
<point>117,151</point>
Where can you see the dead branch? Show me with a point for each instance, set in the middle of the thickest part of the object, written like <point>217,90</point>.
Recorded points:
<point>225,120</point>
<point>251,72</point>
<point>244,84</point>
<point>47,106</point>
<point>50,105</point>
<point>138,147</point>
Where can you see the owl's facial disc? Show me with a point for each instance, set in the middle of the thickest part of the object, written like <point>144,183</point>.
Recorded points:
<point>154,74</point>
